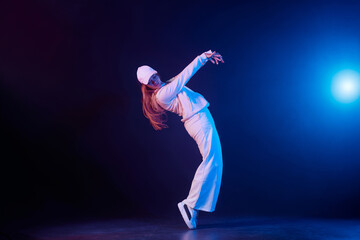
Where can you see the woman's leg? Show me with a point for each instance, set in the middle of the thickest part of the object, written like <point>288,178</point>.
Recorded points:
<point>205,186</point>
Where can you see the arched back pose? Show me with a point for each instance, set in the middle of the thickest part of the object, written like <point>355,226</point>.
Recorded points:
<point>159,97</point>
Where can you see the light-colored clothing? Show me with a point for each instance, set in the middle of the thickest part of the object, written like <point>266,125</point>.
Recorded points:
<point>177,98</point>
<point>192,107</point>
<point>205,186</point>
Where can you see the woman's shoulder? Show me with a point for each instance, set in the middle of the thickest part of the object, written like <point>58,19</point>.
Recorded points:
<point>163,86</point>
<point>157,91</point>
<point>161,94</point>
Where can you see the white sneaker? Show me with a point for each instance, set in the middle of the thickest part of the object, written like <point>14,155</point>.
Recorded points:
<point>188,214</point>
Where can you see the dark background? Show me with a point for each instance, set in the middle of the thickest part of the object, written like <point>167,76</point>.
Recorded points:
<point>75,143</point>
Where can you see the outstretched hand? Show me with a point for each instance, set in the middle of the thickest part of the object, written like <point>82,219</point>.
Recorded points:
<point>214,57</point>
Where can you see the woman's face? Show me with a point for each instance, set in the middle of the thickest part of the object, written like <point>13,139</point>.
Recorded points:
<point>154,81</point>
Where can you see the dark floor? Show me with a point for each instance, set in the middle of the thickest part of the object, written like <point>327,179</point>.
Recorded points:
<point>209,228</point>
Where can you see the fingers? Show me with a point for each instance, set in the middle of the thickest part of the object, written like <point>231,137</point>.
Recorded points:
<point>218,59</point>
<point>218,56</point>
<point>215,57</point>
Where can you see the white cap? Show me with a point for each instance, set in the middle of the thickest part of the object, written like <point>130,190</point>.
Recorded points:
<point>144,73</point>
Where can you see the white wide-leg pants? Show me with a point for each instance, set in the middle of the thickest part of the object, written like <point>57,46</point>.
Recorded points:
<point>205,186</point>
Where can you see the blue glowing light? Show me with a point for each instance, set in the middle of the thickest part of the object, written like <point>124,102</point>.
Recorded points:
<point>346,86</point>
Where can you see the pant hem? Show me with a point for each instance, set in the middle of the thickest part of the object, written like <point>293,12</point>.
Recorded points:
<point>204,209</point>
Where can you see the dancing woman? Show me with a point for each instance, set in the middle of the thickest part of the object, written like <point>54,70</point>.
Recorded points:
<point>159,97</point>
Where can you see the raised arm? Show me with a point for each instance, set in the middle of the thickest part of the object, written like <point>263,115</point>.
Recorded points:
<point>170,90</point>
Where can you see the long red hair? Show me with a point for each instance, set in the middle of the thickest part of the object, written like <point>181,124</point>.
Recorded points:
<point>151,109</point>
